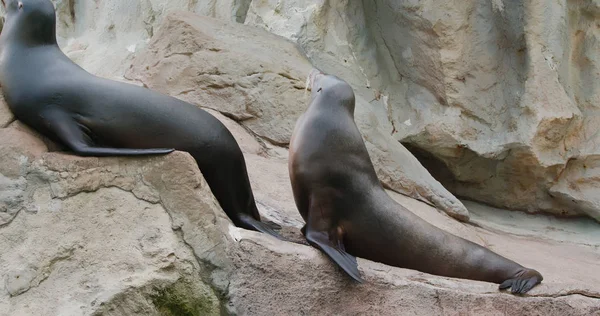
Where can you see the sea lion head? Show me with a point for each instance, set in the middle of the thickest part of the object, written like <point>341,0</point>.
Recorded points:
<point>331,90</point>
<point>30,21</point>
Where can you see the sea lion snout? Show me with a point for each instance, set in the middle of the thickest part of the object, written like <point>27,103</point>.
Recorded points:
<point>312,78</point>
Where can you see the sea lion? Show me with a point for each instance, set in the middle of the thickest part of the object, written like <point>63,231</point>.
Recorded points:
<point>93,116</point>
<point>348,213</point>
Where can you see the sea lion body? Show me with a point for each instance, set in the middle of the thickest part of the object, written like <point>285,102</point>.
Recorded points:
<point>93,116</point>
<point>348,213</point>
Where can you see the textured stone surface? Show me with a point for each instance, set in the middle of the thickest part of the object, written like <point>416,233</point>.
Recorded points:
<point>144,236</point>
<point>502,95</point>
<point>578,185</point>
<point>104,35</point>
<point>89,231</point>
<point>245,72</point>
<point>6,116</point>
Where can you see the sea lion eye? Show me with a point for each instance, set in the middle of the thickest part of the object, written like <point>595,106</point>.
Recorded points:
<point>20,5</point>
<point>319,89</point>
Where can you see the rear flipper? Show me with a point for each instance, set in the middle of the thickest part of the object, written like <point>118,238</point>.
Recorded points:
<point>522,282</point>
<point>336,252</point>
<point>76,137</point>
<point>267,228</point>
<point>106,151</point>
<point>273,225</point>
<point>323,233</point>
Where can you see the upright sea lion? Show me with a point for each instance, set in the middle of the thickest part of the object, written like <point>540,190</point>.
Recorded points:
<point>348,213</point>
<point>93,116</point>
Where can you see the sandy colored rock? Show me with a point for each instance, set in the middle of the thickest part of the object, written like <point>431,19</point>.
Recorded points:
<point>103,241</point>
<point>578,186</point>
<point>18,149</point>
<point>248,74</point>
<point>502,95</point>
<point>6,116</point>
<point>105,35</point>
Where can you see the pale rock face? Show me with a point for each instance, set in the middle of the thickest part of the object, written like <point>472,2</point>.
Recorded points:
<point>239,72</point>
<point>6,116</point>
<point>501,95</point>
<point>105,35</point>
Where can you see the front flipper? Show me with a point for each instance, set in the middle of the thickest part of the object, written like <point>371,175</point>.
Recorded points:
<point>322,234</point>
<point>523,282</point>
<point>67,131</point>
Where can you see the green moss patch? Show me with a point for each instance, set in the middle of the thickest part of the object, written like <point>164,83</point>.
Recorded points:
<point>186,299</point>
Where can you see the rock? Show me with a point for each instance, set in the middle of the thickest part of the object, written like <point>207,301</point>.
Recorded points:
<point>17,150</point>
<point>105,35</point>
<point>502,95</point>
<point>6,116</point>
<point>577,186</point>
<point>108,246</point>
<point>147,237</point>
<point>19,281</point>
<point>399,170</point>
<point>261,83</point>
